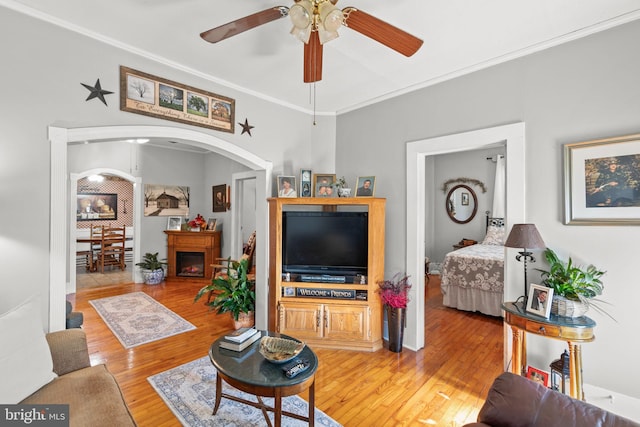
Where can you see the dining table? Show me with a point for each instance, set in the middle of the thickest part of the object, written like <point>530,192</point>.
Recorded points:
<point>92,263</point>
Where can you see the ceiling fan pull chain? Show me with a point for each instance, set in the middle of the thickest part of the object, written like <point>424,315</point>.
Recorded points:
<point>314,103</point>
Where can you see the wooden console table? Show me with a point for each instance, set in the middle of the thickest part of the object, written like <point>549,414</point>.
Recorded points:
<point>574,331</point>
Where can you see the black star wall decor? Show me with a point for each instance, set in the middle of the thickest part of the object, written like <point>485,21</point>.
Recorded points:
<point>246,127</point>
<point>97,92</point>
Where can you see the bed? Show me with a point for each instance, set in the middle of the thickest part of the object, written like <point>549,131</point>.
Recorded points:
<point>473,276</point>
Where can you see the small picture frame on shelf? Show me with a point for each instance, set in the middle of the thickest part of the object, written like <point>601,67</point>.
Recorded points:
<point>287,186</point>
<point>323,185</point>
<point>174,223</point>
<point>365,186</point>
<point>538,375</point>
<point>306,189</point>
<point>211,224</point>
<point>539,301</point>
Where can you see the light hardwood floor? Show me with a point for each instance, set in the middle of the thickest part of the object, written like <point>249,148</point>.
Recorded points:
<point>443,384</point>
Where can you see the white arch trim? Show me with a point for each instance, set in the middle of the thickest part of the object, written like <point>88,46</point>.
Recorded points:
<point>512,136</point>
<point>59,137</point>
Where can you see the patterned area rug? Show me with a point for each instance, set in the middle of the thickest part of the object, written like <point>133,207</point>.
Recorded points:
<point>190,391</point>
<point>136,318</point>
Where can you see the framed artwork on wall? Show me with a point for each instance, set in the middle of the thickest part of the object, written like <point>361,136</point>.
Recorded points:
<point>219,195</point>
<point>166,200</point>
<point>602,181</point>
<point>96,206</point>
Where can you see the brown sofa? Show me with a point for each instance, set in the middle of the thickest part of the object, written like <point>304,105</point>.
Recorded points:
<point>515,401</point>
<point>92,393</point>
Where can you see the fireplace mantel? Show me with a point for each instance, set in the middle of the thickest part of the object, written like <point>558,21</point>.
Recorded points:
<point>204,243</point>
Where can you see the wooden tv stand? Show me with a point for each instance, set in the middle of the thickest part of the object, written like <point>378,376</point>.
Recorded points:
<point>320,319</point>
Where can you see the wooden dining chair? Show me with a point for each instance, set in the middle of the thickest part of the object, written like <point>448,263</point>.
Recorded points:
<point>112,248</point>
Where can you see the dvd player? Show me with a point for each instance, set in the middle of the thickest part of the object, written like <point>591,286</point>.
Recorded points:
<point>322,278</point>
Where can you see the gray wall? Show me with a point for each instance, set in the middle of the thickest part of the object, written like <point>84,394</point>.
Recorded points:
<point>582,90</point>
<point>43,67</point>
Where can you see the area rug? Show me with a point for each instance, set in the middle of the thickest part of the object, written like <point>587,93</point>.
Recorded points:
<point>136,318</point>
<point>190,392</point>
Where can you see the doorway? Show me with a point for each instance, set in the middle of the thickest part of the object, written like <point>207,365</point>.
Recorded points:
<point>59,207</point>
<point>513,138</point>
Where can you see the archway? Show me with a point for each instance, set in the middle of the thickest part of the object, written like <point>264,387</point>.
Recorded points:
<point>60,137</point>
<point>513,138</point>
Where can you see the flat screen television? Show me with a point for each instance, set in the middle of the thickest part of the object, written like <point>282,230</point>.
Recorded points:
<point>325,243</point>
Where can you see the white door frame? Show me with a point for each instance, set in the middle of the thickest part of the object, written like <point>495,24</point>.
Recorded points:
<point>60,137</point>
<point>512,136</point>
<point>262,227</point>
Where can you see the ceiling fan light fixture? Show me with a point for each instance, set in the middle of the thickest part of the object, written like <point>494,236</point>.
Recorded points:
<point>301,14</point>
<point>302,34</point>
<point>326,36</point>
<point>331,18</point>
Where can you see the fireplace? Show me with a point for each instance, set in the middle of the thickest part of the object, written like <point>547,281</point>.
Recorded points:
<point>190,264</point>
<point>191,254</point>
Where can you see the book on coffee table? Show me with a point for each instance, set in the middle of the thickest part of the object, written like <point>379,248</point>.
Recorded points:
<point>239,346</point>
<point>241,334</point>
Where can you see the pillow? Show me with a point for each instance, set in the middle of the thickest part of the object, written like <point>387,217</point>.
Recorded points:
<point>25,358</point>
<point>495,236</point>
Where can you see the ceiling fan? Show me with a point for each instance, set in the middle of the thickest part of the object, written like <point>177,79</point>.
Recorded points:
<point>316,22</point>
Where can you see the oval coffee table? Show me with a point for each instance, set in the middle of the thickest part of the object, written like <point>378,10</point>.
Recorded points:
<point>250,372</point>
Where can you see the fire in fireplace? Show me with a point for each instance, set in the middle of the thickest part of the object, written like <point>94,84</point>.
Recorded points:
<point>190,264</point>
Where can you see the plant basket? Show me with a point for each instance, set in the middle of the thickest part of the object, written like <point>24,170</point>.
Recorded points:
<point>568,307</point>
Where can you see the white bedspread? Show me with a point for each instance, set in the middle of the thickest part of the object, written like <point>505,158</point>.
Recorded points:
<point>473,279</point>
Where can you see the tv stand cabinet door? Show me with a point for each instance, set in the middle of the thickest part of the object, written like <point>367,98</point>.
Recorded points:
<point>346,322</point>
<point>301,320</point>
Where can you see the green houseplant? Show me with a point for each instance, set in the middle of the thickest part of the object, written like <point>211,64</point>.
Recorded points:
<point>575,288</point>
<point>233,292</point>
<point>152,268</point>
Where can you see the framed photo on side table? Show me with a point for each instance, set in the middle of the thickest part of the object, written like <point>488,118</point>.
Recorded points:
<point>538,375</point>
<point>174,223</point>
<point>602,181</point>
<point>539,301</point>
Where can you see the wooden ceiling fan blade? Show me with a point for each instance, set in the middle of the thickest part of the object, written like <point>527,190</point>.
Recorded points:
<point>382,32</point>
<point>313,59</point>
<point>238,26</point>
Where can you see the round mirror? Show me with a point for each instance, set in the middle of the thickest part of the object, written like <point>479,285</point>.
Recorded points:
<point>461,204</point>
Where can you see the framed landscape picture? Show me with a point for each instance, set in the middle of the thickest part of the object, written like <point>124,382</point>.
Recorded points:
<point>602,181</point>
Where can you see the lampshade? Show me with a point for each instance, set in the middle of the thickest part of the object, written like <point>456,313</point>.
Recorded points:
<point>524,236</point>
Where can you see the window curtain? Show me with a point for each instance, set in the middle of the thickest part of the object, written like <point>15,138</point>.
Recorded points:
<point>499,191</point>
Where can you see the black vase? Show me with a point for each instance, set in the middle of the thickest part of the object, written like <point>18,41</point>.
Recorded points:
<point>396,321</point>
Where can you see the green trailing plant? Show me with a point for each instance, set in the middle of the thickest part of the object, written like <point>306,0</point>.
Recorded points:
<point>572,281</point>
<point>151,262</point>
<point>234,291</point>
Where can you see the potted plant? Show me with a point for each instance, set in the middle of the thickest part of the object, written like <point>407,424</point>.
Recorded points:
<point>341,186</point>
<point>152,268</point>
<point>394,294</point>
<point>234,293</point>
<point>574,287</point>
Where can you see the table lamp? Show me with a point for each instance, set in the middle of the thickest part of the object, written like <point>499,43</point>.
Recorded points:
<point>525,236</point>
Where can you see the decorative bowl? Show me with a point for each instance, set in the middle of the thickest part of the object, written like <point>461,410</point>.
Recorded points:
<point>279,350</point>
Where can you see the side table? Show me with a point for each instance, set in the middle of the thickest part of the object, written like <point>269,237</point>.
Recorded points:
<point>574,331</point>
<point>250,372</point>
